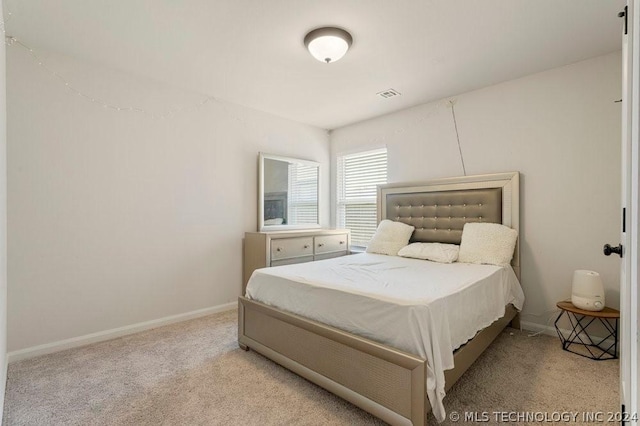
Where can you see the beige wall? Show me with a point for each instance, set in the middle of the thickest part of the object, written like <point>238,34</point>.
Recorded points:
<point>561,130</point>
<point>116,218</point>
<point>3,222</point>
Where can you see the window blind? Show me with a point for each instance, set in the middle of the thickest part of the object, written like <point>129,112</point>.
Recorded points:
<point>358,176</point>
<point>303,194</point>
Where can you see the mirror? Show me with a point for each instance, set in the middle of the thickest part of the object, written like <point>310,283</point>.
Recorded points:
<point>288,191</point>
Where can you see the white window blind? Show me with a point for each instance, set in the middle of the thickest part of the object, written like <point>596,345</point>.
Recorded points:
<point>303,194</point>
<point>358,176</point>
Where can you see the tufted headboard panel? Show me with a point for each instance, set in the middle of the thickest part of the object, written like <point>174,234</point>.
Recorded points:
<point>439,216</point>
<point>438,209</point>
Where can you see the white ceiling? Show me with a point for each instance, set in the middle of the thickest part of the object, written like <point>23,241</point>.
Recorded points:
<point>250,52</point>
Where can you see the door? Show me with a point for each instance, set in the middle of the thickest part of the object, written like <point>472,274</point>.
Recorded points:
<point>629,237</point>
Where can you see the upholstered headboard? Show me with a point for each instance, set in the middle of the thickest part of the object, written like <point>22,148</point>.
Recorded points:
<point>275,206</point>
<point>438,209</point>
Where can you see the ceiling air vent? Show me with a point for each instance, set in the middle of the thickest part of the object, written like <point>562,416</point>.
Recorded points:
<point>389,93</point>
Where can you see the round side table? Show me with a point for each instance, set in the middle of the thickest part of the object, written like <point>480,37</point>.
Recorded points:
<point>597,348</point>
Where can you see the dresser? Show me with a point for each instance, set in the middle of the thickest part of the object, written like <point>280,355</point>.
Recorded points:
<point>262,249</point>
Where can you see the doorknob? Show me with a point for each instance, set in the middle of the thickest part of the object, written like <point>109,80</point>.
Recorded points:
<point>608,250</point>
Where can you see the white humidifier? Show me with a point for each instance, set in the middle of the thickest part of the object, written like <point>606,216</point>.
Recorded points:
<point>587,291</point>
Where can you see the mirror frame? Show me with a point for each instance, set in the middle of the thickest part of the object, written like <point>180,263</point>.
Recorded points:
<point>261,226</point>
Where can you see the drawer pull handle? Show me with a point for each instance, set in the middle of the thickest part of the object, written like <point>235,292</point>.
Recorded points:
<point>341,242</point>
<point>306,246</point>
<point>279,249</point>
<point>321,244</point>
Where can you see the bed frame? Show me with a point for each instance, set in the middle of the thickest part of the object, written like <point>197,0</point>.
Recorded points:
<point>387,382</point>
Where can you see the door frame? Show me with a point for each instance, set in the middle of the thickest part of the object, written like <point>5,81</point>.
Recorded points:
<point>629,296</point>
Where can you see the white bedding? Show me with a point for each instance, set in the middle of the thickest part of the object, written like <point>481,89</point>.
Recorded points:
<point>422,307</point>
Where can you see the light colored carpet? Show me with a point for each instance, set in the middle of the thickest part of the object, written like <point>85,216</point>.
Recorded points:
<point>193,373</point>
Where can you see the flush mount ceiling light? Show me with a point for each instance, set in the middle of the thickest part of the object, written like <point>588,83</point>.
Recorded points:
<point>328,44</point>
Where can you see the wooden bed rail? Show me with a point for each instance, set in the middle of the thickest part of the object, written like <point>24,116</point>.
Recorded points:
<point>384,381</point>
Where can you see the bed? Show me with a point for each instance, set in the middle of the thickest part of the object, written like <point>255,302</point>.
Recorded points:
<point>386,377</point>
<point>275,208</point>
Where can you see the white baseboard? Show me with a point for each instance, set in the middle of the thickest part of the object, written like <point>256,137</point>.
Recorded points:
<point>100,336</point>
<point>539,328</point>
<point>5,376</point>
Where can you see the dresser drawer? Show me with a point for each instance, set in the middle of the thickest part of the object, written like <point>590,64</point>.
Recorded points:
<point>330,255</point>
<point>284,248</point>
<point>330,243</point>
<point>292,260</point>
<point>276,248</point>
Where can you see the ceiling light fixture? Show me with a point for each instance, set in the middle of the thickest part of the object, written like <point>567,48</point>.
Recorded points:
<point>328,44</point>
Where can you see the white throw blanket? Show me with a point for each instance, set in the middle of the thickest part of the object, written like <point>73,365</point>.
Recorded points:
<point>422,307</point>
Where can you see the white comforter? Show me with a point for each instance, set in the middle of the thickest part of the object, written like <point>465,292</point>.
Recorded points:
<point>421,307</point>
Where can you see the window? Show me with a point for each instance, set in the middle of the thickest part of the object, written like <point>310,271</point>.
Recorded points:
<point>358,176</point>
<point>303,194</point>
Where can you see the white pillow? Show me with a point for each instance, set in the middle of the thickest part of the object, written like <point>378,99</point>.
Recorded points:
<point>276,221</point>
<point>487,243</point>
<point>390,237</point>
<point>437,252</point>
